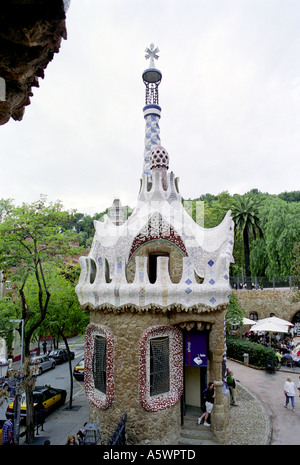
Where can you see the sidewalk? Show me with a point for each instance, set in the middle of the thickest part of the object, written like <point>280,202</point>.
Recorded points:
<point>269,389</point>
<point>63,422</point>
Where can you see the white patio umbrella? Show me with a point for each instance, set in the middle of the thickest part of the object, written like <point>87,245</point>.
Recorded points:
<point>270,327</point>
<point>247,321</point>
<point>276,320</point>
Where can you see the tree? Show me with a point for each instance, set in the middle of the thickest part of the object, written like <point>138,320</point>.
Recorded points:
<point>246,219</point>
<point>235,312</point>
<point>31,241</point>
<point>65,316</point>
<point>280,221</point>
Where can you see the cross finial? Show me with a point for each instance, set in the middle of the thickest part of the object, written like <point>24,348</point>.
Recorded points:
<point>152,53</point>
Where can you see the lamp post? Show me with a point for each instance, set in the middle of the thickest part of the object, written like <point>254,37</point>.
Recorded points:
<point>92,434</point>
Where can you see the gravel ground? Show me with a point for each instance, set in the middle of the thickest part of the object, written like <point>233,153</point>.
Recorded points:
<point>250,422</point>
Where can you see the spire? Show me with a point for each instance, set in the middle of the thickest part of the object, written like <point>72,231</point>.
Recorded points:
<point>151,78</point>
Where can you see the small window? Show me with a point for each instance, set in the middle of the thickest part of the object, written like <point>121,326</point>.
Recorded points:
<point>159,366</point>
<point>93,271</point>
<point>153,265</point>
<point>253,316</point>
<point>99,363</point>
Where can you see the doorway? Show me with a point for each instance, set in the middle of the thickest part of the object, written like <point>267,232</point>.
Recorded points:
<point>195,371</point>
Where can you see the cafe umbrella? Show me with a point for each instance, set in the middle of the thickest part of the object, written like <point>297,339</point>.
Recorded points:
<point>276,320</point>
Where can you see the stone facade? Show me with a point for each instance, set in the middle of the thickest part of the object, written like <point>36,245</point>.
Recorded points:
<point>269,302</point>
<point>128,327</point>
<point>30,34</point>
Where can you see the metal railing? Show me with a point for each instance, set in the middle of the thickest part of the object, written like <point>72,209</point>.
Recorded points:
<point>119,436</point>
<point>262,282</point>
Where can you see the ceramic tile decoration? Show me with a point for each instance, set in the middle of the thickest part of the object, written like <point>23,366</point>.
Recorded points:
<point>159,214</point>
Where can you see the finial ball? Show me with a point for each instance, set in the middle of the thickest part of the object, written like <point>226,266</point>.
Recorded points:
<point>159,158</point>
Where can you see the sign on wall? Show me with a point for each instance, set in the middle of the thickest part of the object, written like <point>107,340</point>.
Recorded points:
<point>195,349</point>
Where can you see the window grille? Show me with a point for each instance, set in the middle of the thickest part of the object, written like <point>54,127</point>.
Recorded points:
<point>99,363</point>
<point>159,366</point>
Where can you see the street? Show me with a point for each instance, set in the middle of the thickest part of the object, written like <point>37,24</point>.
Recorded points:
<point>60,376</point>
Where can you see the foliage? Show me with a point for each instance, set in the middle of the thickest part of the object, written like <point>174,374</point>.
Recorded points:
<point>235,312</point>
<point>33,242</point>
<point>270,254</point>
<point>246,219</point>
<point>280,222</point>
<point>258,354</point>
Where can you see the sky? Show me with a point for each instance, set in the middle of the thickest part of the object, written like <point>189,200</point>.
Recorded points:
<point>230,99</point>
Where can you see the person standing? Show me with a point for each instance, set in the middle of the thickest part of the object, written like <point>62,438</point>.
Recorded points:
<point>209,403</point>
<point>8,433</point>
<point>232,387</point>
<point>289,392</point>
<point>44,346</point>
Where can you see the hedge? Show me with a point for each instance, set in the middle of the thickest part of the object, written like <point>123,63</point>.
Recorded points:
<point>258,354</point>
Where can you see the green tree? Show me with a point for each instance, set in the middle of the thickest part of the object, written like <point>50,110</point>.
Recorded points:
<point>65,316</point>
<point>31,238</point>
<point>246,218</point>
<point>235,312</point>
<point>280,221</point>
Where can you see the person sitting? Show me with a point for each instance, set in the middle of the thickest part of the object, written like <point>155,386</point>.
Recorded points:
<point>286,357</point>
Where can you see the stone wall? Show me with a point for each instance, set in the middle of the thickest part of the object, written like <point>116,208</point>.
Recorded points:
<point>163,426</point>
<point>30,35</point>
<point>142,427</point>
<point>268,302</point>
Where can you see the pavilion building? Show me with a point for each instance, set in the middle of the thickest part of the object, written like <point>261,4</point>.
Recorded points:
<point>156,285</point>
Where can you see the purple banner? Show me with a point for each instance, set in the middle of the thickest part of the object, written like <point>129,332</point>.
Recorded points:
<point>195,349</point>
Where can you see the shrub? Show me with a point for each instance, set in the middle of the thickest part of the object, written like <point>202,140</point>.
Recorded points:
<point>258,354</point>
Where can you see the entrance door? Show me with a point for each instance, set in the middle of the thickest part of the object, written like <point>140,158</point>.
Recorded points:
<point>192,386</point>
<point>195,371</point>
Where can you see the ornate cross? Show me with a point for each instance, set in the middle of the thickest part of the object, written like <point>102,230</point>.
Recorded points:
<point>152,53</point>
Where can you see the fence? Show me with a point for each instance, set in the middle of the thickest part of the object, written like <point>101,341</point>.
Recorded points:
<point>262,282</point>
<point>119,436</point>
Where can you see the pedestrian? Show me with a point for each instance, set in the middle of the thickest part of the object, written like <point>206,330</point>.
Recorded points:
<point>71,441</point>
<point>10,359</point>
<point>209,403</point>
<point>232,388</point>
<point>81,434</point>
<point>289,392</point>
<point>8,433</point>
<point>45,346</point>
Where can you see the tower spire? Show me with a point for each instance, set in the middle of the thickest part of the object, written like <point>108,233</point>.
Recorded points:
<point>151,78</point>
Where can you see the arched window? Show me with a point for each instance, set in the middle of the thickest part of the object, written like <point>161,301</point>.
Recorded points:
<point>98,368</point>
<point>93,270</point>
<point>153,265</point>
<point>253,316</point>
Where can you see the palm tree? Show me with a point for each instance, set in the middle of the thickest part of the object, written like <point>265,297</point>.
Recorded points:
<point>246,219</point>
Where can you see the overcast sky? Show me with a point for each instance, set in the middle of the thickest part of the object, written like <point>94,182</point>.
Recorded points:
<point>230,98</point>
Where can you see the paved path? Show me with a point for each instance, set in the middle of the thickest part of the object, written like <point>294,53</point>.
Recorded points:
<point>269,388</point>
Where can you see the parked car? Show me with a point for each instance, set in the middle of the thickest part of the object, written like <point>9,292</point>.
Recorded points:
<point>61,355</point>
<point>78,371</point>
<point>43,363</point>
<point>45,399</point>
